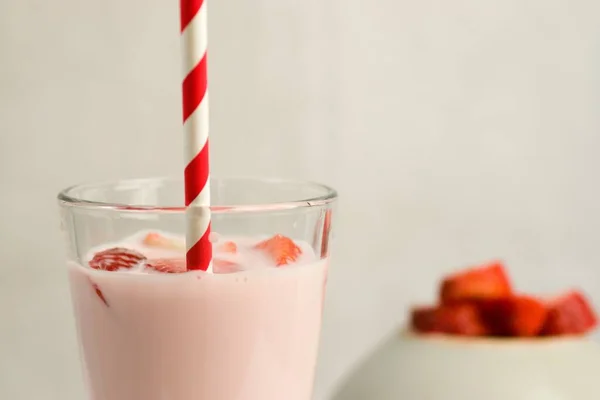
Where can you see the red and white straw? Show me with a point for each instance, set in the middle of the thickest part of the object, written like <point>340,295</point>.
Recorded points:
<point>195,128</point>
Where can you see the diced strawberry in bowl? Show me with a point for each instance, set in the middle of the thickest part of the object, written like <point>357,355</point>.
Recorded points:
<point>480,301</point>
<point>569,314</point>
<point>457,319</point>
<point>485,282</point>
<point>514,316</point>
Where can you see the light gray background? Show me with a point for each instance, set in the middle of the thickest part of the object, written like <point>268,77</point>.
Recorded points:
<point>455,131</point>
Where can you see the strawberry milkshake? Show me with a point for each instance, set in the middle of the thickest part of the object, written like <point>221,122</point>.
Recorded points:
<point>149,329</point>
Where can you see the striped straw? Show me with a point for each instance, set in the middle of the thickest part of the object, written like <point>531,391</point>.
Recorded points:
<point>195,127</point>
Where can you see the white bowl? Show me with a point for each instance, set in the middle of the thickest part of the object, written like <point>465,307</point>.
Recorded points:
<point>413,367</point>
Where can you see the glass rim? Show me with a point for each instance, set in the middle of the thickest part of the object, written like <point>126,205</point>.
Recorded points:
<point>67,199</point>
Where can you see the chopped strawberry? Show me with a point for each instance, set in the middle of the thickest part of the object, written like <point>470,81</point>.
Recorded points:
<point>570,313</point>
<point>520,316</point>
<point>282,249</point>
<point>423,319</point>
<point>225,266</point>
<point>167,265</point>
<point>228,247</point>
<point>98,292</point>
<point>455,319</point>
<point>485,282</point>
<point>116,258</point>
<point>326,233</point>
<point>154,239</point>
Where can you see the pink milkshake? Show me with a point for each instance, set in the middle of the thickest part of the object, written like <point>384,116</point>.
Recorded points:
<point>248,334</point>
<point>245,329</point>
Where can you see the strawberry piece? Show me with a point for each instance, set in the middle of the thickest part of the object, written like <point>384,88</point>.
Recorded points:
<point>570,313</point>
<point>423,319</point>
<point>154,239</point>
<point>225,266</point>
<point>454,319</point>
<point>227,247</point>
<point>485,282</point>
<point>167,265</point>
<point>116,258</point>
<point>521,316</point>
<point>281,249</point>
<point>99,292</point>
<point>326,233</point>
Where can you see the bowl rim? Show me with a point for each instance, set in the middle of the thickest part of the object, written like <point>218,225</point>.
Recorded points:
<point>491,341</point>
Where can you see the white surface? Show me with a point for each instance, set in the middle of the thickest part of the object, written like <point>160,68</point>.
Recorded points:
<point>413,368</point>
<point>454,131</point>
